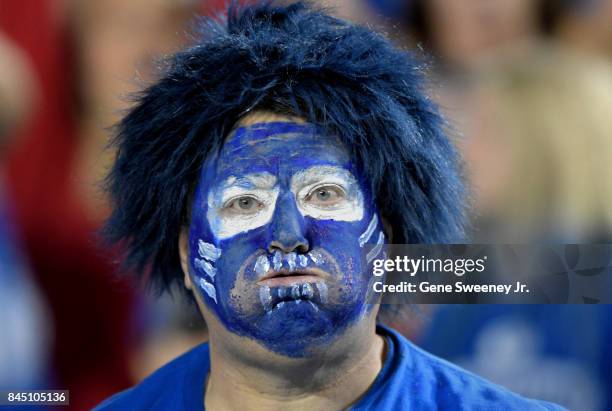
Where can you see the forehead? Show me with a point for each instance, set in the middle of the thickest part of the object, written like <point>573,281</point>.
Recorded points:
<point>279,147</point>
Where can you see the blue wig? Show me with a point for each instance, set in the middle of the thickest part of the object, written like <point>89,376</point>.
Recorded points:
<point>293,60</point>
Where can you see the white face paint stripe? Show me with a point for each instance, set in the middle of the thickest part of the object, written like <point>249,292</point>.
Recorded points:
<point>307,290</point>
<point>205,266</point>
<point>262,265</point>
<point>316,257</point>
<point>277,260</point>
<point>374,251</point>
<point>209,289</point>
<point>265,297</point>
<point>295,291</point>
<point>322,289</point>
<point>365,237</point>
<point>291,257</point>
<point>208,251</point>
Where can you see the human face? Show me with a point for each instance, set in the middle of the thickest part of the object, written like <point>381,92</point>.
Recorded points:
<point>280,219</point>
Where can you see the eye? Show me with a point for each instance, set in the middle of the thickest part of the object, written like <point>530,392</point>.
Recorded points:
<point>326,196</point>
<point>244,205</point>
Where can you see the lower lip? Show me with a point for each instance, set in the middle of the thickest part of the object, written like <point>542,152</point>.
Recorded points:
<point>289,280</point>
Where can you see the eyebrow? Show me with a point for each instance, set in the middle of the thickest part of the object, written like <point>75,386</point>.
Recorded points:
<point>261,180</point>
<point>321,172</point>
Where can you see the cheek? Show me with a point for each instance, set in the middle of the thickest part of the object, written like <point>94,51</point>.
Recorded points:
<point>341,240</point>
<point>235,296</point>
<point>208,260</point>
<point>354,245</point>
<point>236,284</point>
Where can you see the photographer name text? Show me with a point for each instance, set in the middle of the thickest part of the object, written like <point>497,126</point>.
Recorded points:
<point>458,287</point>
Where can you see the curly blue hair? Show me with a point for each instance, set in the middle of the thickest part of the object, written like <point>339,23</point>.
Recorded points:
<point>295,60</point>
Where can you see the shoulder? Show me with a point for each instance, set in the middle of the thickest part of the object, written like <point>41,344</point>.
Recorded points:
<point>433,383</point>
<point>162,390</point>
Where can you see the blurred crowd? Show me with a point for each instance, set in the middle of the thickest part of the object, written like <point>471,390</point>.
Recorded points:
<point>526,86</point>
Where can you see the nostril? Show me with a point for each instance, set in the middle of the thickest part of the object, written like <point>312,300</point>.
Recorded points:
<point>302,248</point>
<point>298,247</point>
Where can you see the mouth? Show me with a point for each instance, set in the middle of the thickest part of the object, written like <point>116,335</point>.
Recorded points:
<point>288,280</point>
<point>312,293</point>
<point>283,278</point>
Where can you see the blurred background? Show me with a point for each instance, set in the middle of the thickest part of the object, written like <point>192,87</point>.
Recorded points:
<point>526,86</point>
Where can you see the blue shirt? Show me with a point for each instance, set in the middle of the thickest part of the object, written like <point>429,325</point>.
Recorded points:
<point>411,379</point>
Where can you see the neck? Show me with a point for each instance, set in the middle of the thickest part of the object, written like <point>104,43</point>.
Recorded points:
<point>334,379</point>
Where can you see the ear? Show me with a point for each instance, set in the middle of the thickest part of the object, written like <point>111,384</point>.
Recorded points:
<point>184,257</point>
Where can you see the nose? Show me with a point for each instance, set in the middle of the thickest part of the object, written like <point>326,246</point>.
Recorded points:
<point>288,227</point>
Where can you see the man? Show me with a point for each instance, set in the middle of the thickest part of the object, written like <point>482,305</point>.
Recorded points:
<point>258,171</point>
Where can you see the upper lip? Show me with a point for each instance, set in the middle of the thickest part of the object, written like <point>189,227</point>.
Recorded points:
<point>316,272</point>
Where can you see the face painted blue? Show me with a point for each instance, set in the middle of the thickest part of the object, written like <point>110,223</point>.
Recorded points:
<point>279,222</point>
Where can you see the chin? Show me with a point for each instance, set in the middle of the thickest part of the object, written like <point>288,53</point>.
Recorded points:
<point>297,328</point>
